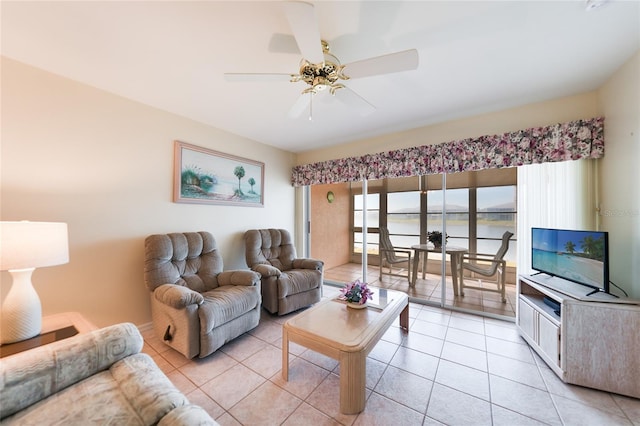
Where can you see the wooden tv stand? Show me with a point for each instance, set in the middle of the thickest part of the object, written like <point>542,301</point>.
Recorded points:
<point>594,342</point>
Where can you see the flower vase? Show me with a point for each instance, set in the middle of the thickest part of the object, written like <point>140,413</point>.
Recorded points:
<point>354,305</point>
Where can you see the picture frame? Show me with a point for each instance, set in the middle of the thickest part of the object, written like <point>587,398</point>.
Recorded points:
<point>205,176</point>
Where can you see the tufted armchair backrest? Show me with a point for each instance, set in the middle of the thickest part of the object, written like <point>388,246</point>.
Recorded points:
<point>190,259</point>
<point>271,247</point>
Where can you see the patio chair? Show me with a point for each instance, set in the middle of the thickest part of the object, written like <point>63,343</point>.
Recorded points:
<point>487,265</point>
<point>392,257</point>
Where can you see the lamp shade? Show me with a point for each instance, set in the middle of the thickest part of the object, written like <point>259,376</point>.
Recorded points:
<point>33,244</point>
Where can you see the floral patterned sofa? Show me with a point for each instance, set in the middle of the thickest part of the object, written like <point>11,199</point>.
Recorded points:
<point>94,378</point>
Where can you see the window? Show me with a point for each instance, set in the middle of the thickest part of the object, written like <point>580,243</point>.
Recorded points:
<point>495,214</point>
<point>457,207</point>
<point>403,218</point>
<point>480,207</point>
<point>373,221</point>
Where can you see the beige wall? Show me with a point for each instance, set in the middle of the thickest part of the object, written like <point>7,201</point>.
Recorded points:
<point>620,174</point>
<point>104,165</point>
<point>539,114</point>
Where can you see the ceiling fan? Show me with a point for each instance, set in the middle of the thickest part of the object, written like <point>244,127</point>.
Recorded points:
<point>321,70</point>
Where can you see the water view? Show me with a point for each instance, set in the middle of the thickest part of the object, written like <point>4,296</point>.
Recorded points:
<point>495,214</point>
<point>460,230</point>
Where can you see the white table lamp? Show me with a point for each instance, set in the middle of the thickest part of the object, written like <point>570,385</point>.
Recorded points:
<point>25,246</point>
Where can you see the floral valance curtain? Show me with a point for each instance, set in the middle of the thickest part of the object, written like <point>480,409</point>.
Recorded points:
<point>560,142</point>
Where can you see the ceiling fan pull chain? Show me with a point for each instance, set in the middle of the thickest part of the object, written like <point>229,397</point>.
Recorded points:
<point>311,106</point>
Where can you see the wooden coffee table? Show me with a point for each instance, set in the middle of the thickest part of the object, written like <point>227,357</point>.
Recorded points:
<point>347,335</point>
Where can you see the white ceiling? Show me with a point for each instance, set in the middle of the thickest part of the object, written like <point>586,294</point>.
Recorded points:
<point>475,57</point>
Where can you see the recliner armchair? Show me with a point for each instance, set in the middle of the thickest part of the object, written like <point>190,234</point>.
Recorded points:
<point>197,307</point>
<point>288,283</point>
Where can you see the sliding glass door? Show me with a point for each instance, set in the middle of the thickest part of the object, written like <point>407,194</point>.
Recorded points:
<point>472,209</point>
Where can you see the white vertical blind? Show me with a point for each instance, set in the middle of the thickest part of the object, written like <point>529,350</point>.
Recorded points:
<point>554,195</point>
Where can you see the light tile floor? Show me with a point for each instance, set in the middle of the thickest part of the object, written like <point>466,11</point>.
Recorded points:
<point>451,368</point>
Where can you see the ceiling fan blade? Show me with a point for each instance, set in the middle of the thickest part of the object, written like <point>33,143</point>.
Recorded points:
<point>283,43</point>
<point>304,24</point>
<point>302,103</point>
<point>355,101</point>
<point>385,64</point>
<point>248,76</point>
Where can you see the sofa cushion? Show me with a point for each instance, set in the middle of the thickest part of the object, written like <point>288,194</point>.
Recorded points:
<point>133,391</point>
<point>226,303</point>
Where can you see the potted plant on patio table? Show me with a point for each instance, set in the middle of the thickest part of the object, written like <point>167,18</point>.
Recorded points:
<point>435,238</point>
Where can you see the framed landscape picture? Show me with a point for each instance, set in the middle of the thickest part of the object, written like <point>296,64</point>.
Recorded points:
<point>205,176</point>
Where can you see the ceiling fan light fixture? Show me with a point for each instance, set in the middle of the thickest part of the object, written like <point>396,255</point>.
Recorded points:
<point>321,75</point>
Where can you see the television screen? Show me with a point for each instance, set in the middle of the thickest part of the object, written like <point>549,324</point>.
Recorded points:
<point>579,256</point>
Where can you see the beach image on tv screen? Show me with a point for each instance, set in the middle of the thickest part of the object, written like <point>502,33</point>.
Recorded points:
<point>574,255</point>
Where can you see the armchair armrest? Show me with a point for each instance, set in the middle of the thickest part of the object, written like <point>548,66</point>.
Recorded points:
<point>239,277</point>
<point>177,296</point>
<point>34,375</point>
<point>303,263</point>
<point>266,270</point>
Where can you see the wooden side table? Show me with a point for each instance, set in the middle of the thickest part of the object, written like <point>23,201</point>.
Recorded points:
<point>54,327</point>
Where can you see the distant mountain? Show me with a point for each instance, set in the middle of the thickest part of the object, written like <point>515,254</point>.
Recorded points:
<point>500,207</point>
<point>437,208</point>
<point>432,209</point>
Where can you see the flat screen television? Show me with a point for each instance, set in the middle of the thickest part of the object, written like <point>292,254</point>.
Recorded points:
<point>578,256</point>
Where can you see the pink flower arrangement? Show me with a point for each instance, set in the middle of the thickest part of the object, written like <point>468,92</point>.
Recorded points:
<point>356,292</point>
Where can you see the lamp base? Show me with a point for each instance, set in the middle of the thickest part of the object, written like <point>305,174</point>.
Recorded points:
<point>21,315</point>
